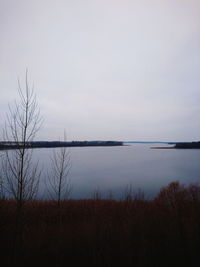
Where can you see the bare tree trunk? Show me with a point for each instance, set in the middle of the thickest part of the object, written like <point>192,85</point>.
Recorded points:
<point>59,186</point>
<point>57,182</point>
<point>20,174</point>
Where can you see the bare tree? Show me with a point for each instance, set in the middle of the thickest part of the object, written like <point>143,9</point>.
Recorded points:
<point>22,124</point>
<point>59,186</point>
<point>58,182</point>
<point>20,174</point>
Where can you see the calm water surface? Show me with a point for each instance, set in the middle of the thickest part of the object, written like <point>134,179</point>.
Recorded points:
<point>114,168</point>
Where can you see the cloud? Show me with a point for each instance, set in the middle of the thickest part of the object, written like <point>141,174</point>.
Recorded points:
<point>106,69</point>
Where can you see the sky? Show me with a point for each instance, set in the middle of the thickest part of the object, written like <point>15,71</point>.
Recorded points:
<point>105,69</point>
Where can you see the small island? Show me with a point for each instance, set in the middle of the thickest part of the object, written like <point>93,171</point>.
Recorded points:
<point>180,145</point>
<point>188,145</point>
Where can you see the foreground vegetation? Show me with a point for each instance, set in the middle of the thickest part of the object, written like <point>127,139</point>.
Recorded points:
<point>98,232</point>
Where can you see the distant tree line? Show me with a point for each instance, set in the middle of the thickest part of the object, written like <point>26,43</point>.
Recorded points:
<point>46,144</point>
<point>188,145</point>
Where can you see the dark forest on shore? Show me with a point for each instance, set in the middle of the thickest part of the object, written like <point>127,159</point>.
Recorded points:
<point>50,144</point>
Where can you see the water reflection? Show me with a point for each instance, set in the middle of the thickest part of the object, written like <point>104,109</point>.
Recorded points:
<point>110,170</point>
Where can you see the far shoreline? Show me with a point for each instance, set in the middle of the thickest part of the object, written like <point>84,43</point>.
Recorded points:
<point>164,147</point>
<point>55,144</point>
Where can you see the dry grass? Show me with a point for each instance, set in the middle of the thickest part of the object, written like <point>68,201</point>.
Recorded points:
<point>97,232</point>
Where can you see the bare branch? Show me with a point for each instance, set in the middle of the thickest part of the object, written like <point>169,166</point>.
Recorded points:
<point>58,182</point>
<point>23,123</point>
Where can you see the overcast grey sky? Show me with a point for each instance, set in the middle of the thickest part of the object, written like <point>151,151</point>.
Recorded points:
<point>105,69</point>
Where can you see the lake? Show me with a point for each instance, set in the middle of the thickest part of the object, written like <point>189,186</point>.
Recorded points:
<point>112,169</point>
